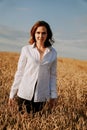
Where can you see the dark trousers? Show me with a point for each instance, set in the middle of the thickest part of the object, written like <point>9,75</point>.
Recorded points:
<point>29,105</point>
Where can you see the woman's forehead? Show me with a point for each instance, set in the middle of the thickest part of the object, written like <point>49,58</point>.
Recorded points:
<point>41,28</point>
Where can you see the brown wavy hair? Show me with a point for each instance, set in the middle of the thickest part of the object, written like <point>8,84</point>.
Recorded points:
<point>49,41</point>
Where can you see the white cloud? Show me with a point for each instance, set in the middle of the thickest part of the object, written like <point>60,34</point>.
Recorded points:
<point>77,41</point>
<point>5,30</point>
<point>72,48</point>
<point>84,31</point>
<point>10,34</point>
<point>11,39</point>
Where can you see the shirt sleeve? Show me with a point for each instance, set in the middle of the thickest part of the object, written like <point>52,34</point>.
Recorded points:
<point>19,73</point>
<point>53,77</point>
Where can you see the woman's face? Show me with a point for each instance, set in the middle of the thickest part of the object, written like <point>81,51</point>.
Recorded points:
<point>41,35</point>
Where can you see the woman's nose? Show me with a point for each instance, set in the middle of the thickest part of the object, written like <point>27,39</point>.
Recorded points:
<point>41,35</point>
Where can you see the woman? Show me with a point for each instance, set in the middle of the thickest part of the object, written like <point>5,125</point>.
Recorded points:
<point>35,78</point>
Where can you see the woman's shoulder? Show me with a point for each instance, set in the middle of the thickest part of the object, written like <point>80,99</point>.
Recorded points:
<point>27,47</point>
<point>54,50</point>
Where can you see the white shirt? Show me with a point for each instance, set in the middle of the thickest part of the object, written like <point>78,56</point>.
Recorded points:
<point>31,70</point>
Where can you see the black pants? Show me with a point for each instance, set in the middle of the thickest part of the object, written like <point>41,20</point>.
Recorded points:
<point>29,105</point>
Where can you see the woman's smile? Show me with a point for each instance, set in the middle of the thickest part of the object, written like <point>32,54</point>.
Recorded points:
<point>41,34</point>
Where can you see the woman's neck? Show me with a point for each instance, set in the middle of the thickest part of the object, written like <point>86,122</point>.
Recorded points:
<point>40,46</point>
<point>41,49</point>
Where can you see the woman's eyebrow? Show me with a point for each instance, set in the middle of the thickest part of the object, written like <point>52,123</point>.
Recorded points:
<point>40,32</point>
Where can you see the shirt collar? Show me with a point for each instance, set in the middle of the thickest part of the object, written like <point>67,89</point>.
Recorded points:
<point>47,49</point>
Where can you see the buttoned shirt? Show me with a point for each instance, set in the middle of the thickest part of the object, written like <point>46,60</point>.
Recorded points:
<point>32,69</point>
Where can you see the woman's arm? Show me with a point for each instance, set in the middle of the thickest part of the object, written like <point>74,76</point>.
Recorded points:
<point>53,77</point>
<point>19,74</point>
<point>53,84</point>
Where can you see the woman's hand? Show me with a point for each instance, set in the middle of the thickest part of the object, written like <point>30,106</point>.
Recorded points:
<point>11,102</point>
<point>12,105</point>
<point>53,102</point>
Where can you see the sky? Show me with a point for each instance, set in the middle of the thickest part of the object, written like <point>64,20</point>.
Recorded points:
<point>67,19</point>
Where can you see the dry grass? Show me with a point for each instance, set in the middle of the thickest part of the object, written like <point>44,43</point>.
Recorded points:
<point>70,112</point>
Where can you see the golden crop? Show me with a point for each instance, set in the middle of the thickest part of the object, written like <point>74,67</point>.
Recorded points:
<point>70,112</point>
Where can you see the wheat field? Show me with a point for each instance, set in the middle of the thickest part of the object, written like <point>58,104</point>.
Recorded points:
<point>70,112</point>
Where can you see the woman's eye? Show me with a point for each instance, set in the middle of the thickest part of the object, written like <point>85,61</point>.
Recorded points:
<point>38,32</point>
<point>43,33</point>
